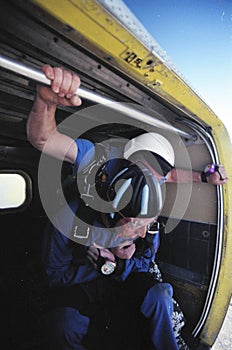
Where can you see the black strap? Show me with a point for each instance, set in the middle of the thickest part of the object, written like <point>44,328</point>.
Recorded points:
<point>204,176</point>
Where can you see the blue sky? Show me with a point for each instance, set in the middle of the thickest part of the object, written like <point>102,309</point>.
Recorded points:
<point>197,36</point>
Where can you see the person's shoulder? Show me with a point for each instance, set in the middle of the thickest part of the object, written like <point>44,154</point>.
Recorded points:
<point>85,149</point>
<point>83,144</point>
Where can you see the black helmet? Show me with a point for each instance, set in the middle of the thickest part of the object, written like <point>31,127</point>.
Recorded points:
<point>131,188</point>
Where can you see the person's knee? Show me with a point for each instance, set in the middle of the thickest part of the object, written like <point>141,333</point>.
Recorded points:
<point>67,325</point>
<point>158,297</point>
<point>163,290</point>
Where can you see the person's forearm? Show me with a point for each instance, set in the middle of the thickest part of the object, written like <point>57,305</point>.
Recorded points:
<point>218,177</point>
<point>183,176</point>
<point>41,123</point>
<point>42,132</point>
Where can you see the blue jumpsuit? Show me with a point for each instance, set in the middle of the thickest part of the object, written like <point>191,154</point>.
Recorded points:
<point>67,323</point>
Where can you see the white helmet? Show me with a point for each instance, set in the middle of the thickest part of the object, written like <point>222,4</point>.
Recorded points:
<point>152,142</point>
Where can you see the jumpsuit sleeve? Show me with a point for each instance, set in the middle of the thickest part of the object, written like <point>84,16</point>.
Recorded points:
<point>59,262</point>
<point>140,262</point>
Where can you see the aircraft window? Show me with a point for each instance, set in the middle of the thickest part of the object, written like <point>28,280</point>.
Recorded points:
<point>14,190</point>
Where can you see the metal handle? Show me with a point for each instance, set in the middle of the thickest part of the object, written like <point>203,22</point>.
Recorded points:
<point>38,76</point>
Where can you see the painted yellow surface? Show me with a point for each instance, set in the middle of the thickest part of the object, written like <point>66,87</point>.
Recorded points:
<point>223,291</point>
<point>122,50</point>
<point>127,53</point>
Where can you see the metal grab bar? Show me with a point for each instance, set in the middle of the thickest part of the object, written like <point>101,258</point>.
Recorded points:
<point>39,77</point>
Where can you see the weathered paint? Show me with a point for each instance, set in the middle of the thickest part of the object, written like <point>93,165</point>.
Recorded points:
<point>100,28</point>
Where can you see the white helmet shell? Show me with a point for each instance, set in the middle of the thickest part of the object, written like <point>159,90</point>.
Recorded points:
<point>152,142</point>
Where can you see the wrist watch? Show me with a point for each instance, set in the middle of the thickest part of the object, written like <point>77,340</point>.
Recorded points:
<point>108,267</point>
